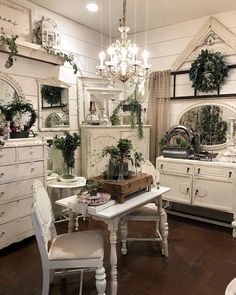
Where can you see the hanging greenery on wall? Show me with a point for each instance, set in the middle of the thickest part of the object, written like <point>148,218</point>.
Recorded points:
<point>208,71</point>
<point>51,94</point>
<point>10,42</point>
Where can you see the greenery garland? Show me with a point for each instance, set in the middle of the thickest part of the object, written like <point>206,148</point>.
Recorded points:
<point>51,94</point>
<point>11,43</point>
<point>208,71</point>
<point>19,106</point>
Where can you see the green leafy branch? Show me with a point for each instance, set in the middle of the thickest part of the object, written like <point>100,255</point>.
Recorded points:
<point>66,57</point>
<point>11,43</point>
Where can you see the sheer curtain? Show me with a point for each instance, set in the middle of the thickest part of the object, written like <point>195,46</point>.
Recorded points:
<point>158,109</point>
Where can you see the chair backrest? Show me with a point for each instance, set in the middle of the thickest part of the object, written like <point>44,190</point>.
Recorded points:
<point>42,218</point>
<point>147,167</point>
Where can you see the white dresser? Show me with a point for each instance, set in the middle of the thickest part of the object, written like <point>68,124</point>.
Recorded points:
<point>198,183</point>
<point>95,138</point>
<point>21,162</point>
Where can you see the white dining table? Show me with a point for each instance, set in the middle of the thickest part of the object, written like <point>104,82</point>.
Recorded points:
<point>113,214</point>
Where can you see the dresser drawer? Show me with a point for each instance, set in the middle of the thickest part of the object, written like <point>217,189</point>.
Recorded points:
<point>7,156</point>
<point>225,173</point>
<point>174,167</point>
<point>15,230</point>
<point>17,190</point>
<point>22,171</point>
<point>29,153</point>
<point>15,210</point>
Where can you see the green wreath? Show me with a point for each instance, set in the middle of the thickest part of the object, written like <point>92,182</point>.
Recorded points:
<point>19,106</point>
<point>51,94</point>
<point>208,71</point>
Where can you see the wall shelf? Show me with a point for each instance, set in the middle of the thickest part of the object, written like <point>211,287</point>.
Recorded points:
<point>34,51</point>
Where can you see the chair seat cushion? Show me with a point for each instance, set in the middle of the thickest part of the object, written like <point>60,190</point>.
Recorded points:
<point>231,288</point>
<point>79,245</point>
<point>147,210</point>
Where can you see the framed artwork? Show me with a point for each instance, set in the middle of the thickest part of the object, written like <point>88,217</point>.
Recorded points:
<point>15,19</point>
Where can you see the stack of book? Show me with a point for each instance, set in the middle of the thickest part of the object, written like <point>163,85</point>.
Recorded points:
<point>94,209</point>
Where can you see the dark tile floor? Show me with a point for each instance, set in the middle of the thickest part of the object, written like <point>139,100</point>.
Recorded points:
<point>202,261</point>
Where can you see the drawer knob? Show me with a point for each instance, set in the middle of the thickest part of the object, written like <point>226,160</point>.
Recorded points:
<point>198,170</point>
<point>31,152</point>
<point>188,170</point>
<point>32,169</point>
<point>196,192</point>
<point>187,190</point>
<point>2,234</point>
<point>2,193</point>
<point>161,166</point>
<point>230,174</point>
<point>2,213</point>
<point>1,174</point>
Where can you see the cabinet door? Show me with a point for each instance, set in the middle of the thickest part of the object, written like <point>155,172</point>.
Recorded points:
<point>140,145</point>
<point>7,156</point>
<point>180,187</point>
<point>97,141</point>
<point>214,193</point>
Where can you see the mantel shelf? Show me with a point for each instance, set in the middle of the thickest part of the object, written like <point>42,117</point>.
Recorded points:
<point>34,51</point>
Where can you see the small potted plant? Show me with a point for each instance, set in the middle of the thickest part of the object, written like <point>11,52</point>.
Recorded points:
<point>67,145</point>
<point>21,116</point>
<point>120,155</point>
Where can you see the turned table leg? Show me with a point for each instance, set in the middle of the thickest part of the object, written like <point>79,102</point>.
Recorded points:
<point>163,227</point>
<point>113,227</point>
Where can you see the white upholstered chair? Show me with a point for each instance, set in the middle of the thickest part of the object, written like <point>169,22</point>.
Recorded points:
<point>146,213</point>
<point>80,250</point>
<point>231,288</point>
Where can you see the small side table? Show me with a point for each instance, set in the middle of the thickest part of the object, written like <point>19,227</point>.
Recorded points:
<point>74,186</point>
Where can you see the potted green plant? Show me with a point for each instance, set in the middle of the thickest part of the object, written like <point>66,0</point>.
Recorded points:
<point>120,155</point>
<point>132,104</point>
<point>67,145</point>
<point>21,115</point>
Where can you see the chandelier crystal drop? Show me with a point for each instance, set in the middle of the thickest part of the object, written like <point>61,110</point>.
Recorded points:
<point>123,64</point>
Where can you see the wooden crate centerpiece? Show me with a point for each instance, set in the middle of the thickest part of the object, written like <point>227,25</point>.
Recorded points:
<point>119,190</point>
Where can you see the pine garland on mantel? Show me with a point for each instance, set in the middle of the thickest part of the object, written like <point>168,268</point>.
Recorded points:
<point>208,71</point>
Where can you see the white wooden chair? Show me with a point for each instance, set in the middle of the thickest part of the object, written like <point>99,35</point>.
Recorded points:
<point>69,251</point>
<point>146,213</point>
<point>231,288</point>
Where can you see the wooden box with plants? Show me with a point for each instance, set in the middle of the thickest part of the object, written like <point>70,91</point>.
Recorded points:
<point>119,181</point>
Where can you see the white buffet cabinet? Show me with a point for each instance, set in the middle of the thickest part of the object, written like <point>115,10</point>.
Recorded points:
<point>199,183</point>
<point>21,162</point>
<point>95,138</point>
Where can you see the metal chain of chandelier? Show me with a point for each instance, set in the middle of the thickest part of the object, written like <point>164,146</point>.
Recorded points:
<point>123,64</point>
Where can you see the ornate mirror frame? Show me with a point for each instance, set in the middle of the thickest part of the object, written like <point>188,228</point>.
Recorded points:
<point>8,78</point>
<point>217,147</point>
<point>56,83</point>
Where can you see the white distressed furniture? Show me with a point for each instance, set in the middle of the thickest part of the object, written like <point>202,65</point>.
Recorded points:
<point>21,162</point>
<point>231,288</point>
<point>67,251</point>
<point>199,183</point>
<point>148,213</point>
<point>113,214</point>
<point>95,138</point>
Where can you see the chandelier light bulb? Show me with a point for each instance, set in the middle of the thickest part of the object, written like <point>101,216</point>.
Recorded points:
<point>101,57</point>
<point>92,6</point>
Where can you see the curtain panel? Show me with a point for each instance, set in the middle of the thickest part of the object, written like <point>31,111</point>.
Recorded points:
<point>158,109</point>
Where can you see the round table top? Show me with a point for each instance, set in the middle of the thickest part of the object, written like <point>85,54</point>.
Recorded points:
<point>72,184</point>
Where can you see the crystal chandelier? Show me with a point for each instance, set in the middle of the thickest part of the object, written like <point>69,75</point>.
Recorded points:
<point>123,64</point>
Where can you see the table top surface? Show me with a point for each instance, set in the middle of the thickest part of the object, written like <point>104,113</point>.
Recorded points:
<point>132,202</point>
<point>58,184</point>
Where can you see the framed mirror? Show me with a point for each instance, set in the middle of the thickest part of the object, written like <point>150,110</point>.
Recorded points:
<point>53,105</point>
<point>212,121</point>
<point>9,89</point>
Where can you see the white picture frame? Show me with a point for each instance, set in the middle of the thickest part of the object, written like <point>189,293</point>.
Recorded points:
<point>15,19</point>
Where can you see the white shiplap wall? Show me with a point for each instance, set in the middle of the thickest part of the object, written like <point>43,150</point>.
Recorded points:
<point>166,44</point>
